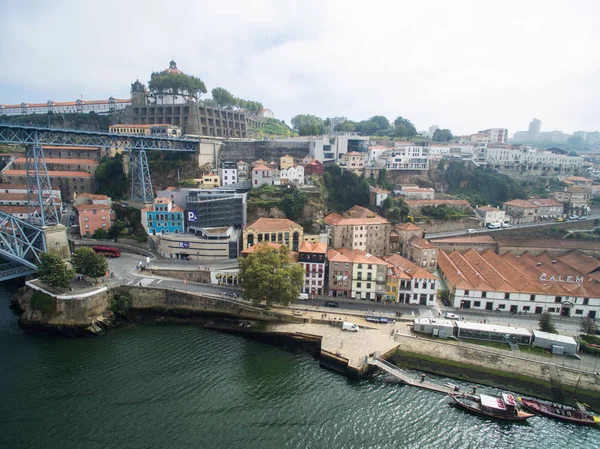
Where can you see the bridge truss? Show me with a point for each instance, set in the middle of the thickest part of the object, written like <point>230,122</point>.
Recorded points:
<point>22,242</point>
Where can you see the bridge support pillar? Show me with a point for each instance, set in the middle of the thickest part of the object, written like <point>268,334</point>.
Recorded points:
<point>56,240</point>
<point>141,183</point>
<point>41,207</point>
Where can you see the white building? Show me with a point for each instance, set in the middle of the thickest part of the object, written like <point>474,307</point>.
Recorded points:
<point>66,107</point>
<point>407,283</point>
<point>411,192</point>
<point>292,175</point>
<point>228,171</point>
<point>496,135</point>
<point>491,214</point>
<point>529,160</point>
<point>410,157</point>
<point>374,153</point>
<point>560,285</point>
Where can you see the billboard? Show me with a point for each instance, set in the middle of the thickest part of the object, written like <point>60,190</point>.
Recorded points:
<point>192,216</point>
<point>184,244</point>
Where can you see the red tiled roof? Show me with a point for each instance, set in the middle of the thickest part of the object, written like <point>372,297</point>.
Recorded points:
<point>520,203</point>
<point>272,224</point>
<point>92,207</point>
<point>50,160</point>
<point>318,247</point>
<point>409,227</point>
<point>53,173</point>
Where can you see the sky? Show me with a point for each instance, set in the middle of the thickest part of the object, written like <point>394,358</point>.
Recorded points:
<point>462,65</point>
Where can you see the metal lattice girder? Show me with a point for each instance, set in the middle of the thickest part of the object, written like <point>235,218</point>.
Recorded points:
<point>141,184</point>
<point>14,270</point>
<point>41,207</point>
<point>20,134</point>
<point>20,241</point>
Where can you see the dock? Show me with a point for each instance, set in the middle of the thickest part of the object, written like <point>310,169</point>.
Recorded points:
<point>407,379</point>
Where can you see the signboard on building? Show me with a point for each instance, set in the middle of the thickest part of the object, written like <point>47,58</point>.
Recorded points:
<point>184,244</point>
<point>192,216</point>
<point>560,278</point>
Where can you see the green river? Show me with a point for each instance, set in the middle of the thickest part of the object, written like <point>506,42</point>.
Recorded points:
<point>143,386</point>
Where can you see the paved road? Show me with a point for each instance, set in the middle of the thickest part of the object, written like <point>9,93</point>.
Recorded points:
<point>486,230</point>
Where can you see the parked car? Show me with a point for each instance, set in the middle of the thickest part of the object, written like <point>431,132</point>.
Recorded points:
<point>451,316</point>
<point>573,217</point>
<point>582,217</point>
<point>470,231</point>
<point>332,304</point>
<point>506,225</point>
<point>559,219</point>
<point>494,225</point>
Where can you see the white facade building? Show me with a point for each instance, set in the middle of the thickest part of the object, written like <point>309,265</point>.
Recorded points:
<point>262,175</point>
<point>228,172</point>
<point>66,107</point>
<point>527,159</point>
<point>410,157</point>
<point>496,135</point>
<point>292,175</point>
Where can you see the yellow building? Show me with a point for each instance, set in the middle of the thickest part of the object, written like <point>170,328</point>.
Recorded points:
<point>285,162</point>
<point>210,181</point>
<point>275,230</point>
<point>353,161</point>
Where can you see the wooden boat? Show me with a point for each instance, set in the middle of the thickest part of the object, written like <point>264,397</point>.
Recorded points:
<point>561,412</point>
<point>500,407</point>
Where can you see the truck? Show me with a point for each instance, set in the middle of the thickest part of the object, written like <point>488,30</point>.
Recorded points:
<point>350,327</point>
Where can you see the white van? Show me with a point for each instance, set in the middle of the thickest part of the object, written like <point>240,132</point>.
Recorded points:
<point>470,231</point>
<point>494,225</point>
<point>303,297</point>
<point>348,326</point>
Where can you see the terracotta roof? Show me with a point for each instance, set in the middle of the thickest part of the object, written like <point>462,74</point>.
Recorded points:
<point>545,202</point>
<point>420,242</point>
<point>261,167</point>
<point>162,200</point>
<point>53,173</point>
<point>578,178</point>
<point>354,153</point>
<point>437,202</point>
<point>13,196</point>
<point>272,224</point>
<point>50,160</point>
<point>14,209</point>
<point>334,256</point>
<point>409,227</point>
<point>93,196</point>
<point>379,147</point>
<point>378,190</point>
<point>359,256</point>
<point>307,247</point>
<point>582,262</point>
<point>409,268</point>
<point>520,203</point>
<point>489,209</point>
<point>177,209</point>
<point>92,206</point>
<point>171,189</point>
<point>359,212</point>
<point>15,186</point>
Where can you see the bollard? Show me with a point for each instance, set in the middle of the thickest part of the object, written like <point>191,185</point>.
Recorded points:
<point>474,389</point>
<point>422,377</point>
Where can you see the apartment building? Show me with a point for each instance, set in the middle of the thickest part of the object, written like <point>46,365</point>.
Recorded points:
<point>353,162</point>
<point>228,173</point>
<point>359,228</point>
<point>576,200</point>
<point>368,274</point>
<point>92,217</point>
<point>490,214</point>
<point>340,274</point>
<point>313,257</point>
<point>163,218</point>
<point>529,161</point>
<point>275,230</point>
<point>68,182</point>
<point>496,135</point>
<point>407,283</point>
<point>408,157</point>
<point>262,175</point>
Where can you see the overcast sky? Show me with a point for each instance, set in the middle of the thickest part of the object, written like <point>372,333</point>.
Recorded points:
<point>463,65</point>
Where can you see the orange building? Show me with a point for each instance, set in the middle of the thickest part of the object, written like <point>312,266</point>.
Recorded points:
<point>93,217</point>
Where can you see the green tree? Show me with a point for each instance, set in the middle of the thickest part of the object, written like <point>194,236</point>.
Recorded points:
<point>588,325</point>
<point>404,128</point>
<point>268,275</point>
<point>110,179</point>
<point>293,204</point>
<point>100,234</point>
<point>88,263</point>
<point>176,83</point>
<point>395,209</point>
<point>442,135</point>
<point>53,271</point>
<point>223,98</point>
<point>347,126</point>
<point>115,230</point>
<point>308,125</point>
<point>546,324</point>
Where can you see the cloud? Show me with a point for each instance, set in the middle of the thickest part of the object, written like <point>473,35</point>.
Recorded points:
<point>464,65</point>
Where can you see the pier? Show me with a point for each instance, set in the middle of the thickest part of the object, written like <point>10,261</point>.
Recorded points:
<point>406,378</point>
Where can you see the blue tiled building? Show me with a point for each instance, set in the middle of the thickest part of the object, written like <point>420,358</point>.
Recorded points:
<point>163,218</point>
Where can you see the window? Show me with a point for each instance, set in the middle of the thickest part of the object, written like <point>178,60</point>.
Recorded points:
<point>358,284</point>
<point>502,306</point>
<point>467,292</point>
<point>483,295</point>
<point>578,311</point>
<point>531,298</point>
<point>586,301</point>
<point>506,295</point>
<point>95,212</point>
<point>477,304</point>
<point>557,298</point>
<point>368,285</point>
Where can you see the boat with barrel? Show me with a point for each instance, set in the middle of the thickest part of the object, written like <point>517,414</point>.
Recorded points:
<point>500,407</point>
<point>560,412</point>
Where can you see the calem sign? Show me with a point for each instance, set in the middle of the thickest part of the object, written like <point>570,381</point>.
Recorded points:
<point>570,279</point>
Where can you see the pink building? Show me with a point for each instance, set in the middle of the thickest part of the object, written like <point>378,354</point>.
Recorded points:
<point>93,217</point>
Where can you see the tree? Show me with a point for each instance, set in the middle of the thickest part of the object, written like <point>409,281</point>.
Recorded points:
<point>347,126</point>
<point>223,97</point>
<point>588,325</point>
<point>308,125</point>
<point>442,135</point>
<point>546,324</point>
<point>87,262</point>
<point>176,84</point>
<point>404,127</point>
<point>115,230</point>
<point>293,204</point>
<point>268,275</point>
<point>53,271</point>
<point>100,234</point>
<point>110,179</point>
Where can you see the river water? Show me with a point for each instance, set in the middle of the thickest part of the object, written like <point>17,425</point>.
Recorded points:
<point>143,386</point>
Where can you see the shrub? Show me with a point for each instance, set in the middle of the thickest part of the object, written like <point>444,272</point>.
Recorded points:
<point>43,302</point>
<point>120,304</point>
